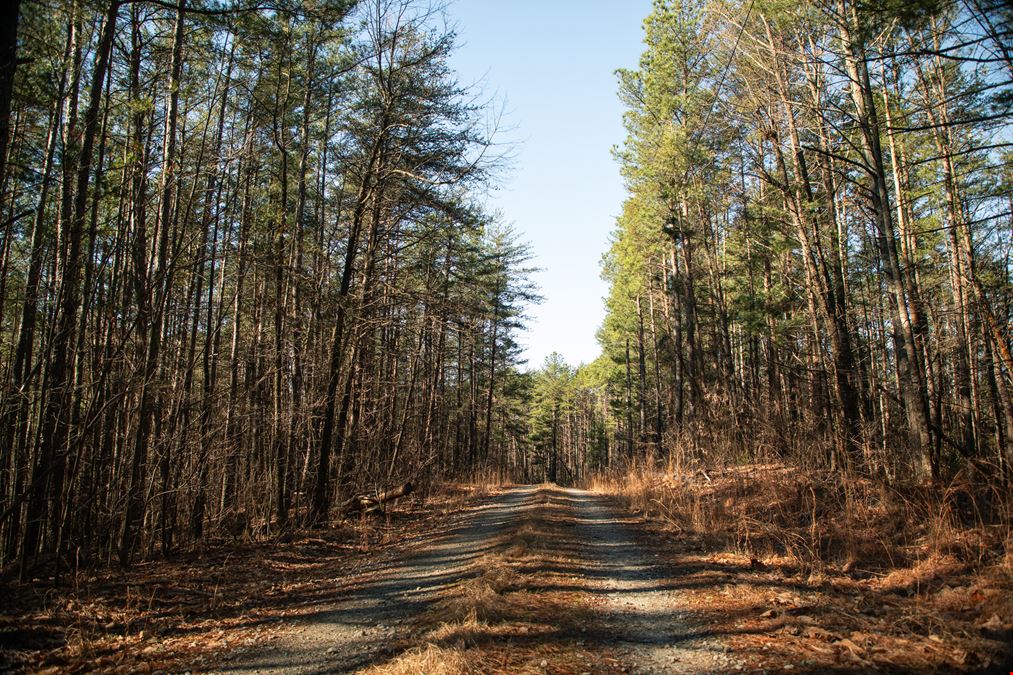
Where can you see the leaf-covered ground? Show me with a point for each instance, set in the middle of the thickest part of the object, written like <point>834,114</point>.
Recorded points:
<point>519,580</point>
<point>183,613</point>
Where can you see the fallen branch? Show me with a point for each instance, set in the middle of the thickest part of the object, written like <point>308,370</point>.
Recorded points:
<point>368,504</point>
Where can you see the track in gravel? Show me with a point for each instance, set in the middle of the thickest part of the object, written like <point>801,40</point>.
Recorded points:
<point>645,621</point>
<point>641,618</point>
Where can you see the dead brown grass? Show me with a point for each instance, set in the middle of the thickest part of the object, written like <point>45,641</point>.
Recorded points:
<point>429,659</point>
<point>808,569</point>
<point>479,598</point>
<point>821,521</point>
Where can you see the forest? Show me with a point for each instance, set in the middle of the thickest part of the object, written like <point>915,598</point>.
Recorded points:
<point>814,259</point>
<point>248,272</point>
<point>245,265</point>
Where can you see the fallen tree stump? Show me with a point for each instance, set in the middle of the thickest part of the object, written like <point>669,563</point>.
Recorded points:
<point>370,504</point>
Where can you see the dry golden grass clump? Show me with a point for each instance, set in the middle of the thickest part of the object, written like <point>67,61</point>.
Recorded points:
<point>479,598</point>
<point>430,659</point>
<point>475,613</point>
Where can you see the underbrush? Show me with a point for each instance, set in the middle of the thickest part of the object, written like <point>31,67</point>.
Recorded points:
<point>171,614</point>
<point>922,568</point>
<point>823,522</point>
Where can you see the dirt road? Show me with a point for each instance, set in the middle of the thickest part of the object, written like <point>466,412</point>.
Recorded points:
<point>533,579</point>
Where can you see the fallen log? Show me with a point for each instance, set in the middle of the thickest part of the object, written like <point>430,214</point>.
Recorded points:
<point>367,504</point>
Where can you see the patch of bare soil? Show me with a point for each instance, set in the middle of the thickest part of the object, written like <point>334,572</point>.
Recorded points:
<point>786,598</point>
<point>183,614</point>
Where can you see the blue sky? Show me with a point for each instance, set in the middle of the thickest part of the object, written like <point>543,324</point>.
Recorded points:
<point>551,65</point>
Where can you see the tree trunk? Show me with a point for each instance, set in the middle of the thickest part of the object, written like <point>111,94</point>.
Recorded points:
<point>133,513</point>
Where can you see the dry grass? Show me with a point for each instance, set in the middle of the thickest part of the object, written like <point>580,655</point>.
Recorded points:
<point>429,659</point>
<point>481,597</point>
<point>820,521</point>
<point>806,568</point>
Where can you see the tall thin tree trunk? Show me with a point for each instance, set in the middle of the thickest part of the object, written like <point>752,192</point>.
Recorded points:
<point>133,513</point>
<point>48,473</point>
